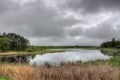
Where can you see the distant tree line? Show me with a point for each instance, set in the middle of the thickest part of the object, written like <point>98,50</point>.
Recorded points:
<point>74,46</point>
<point>12,41</point>
<point>111,44</point>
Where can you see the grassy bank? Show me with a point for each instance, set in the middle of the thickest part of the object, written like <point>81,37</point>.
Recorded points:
<point>109,49</point>
<point>31,53</point>
<point>42,50</point>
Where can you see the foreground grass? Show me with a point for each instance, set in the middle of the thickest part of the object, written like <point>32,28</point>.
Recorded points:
<point>115,61</point>
<point>69,71</point>
<point>1,78</point>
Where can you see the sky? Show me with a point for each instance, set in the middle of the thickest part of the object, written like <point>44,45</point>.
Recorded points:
<point>61,22</point>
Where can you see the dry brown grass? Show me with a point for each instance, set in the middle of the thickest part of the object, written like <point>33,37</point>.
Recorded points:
<point>64,72</point>
<point>7,53</point>
<point>16,72</point>
<point>14,53</point>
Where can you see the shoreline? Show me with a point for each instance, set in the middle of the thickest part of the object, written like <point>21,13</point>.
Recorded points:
<point>44,51</point>
<point>14,53</point>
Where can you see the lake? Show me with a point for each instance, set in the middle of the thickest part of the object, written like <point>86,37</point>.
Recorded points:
<point>70,55</point>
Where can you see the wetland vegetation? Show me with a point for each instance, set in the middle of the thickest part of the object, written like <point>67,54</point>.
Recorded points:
<point>27,62</point>
<point>92,70</point>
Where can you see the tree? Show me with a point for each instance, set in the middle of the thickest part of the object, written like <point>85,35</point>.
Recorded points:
<point>113,42</point>
<point>4,44</point>
<point>17,42</point>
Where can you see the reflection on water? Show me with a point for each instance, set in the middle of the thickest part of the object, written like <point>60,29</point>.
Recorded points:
<point>110,53</point>
<point>15,59</point>
<point>68,56</point>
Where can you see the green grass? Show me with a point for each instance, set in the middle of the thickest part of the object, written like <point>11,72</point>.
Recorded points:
<point>109,49</point>
<point>1,78</point>
<point>115,61</point>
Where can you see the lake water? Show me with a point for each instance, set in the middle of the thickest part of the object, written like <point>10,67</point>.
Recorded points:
<point>70,55</point>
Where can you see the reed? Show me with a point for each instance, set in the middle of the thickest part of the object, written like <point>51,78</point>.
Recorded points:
<point>63,72</point>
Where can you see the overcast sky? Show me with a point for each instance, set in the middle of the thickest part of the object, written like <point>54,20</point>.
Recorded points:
<point>62,22</point>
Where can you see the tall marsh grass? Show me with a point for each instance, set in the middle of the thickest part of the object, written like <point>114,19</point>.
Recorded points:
<point>63,72</point>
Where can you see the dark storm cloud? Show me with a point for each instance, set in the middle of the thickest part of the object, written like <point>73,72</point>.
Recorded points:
<point>91,6</point>
<point>37,21</point>
<point>103,31</point>
<point>75,31</point>
<point>49,24</point>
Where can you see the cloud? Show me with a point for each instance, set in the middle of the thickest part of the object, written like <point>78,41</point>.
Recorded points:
<point>74,31</point>
<point>93,6</point>
<point>66,22</point>
<point>103,31</point>
<point>36,21</point>
<point>7,5</point>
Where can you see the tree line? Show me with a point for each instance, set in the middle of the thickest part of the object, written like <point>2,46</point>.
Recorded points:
<point>12,41</point>
<point>111,44</point>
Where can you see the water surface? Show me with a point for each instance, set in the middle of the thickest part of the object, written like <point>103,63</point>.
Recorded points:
<point>71,55</point>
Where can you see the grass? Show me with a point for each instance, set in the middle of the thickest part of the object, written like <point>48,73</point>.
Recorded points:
<point>31,53</point>
<point>115,61</point>
<point>110,49</point>
<point>1,78</point>
<point>69,71</point>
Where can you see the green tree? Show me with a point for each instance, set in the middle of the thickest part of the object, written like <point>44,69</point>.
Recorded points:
<point>113,42</point>
<point>4,44</point>
<point>17,42</point>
